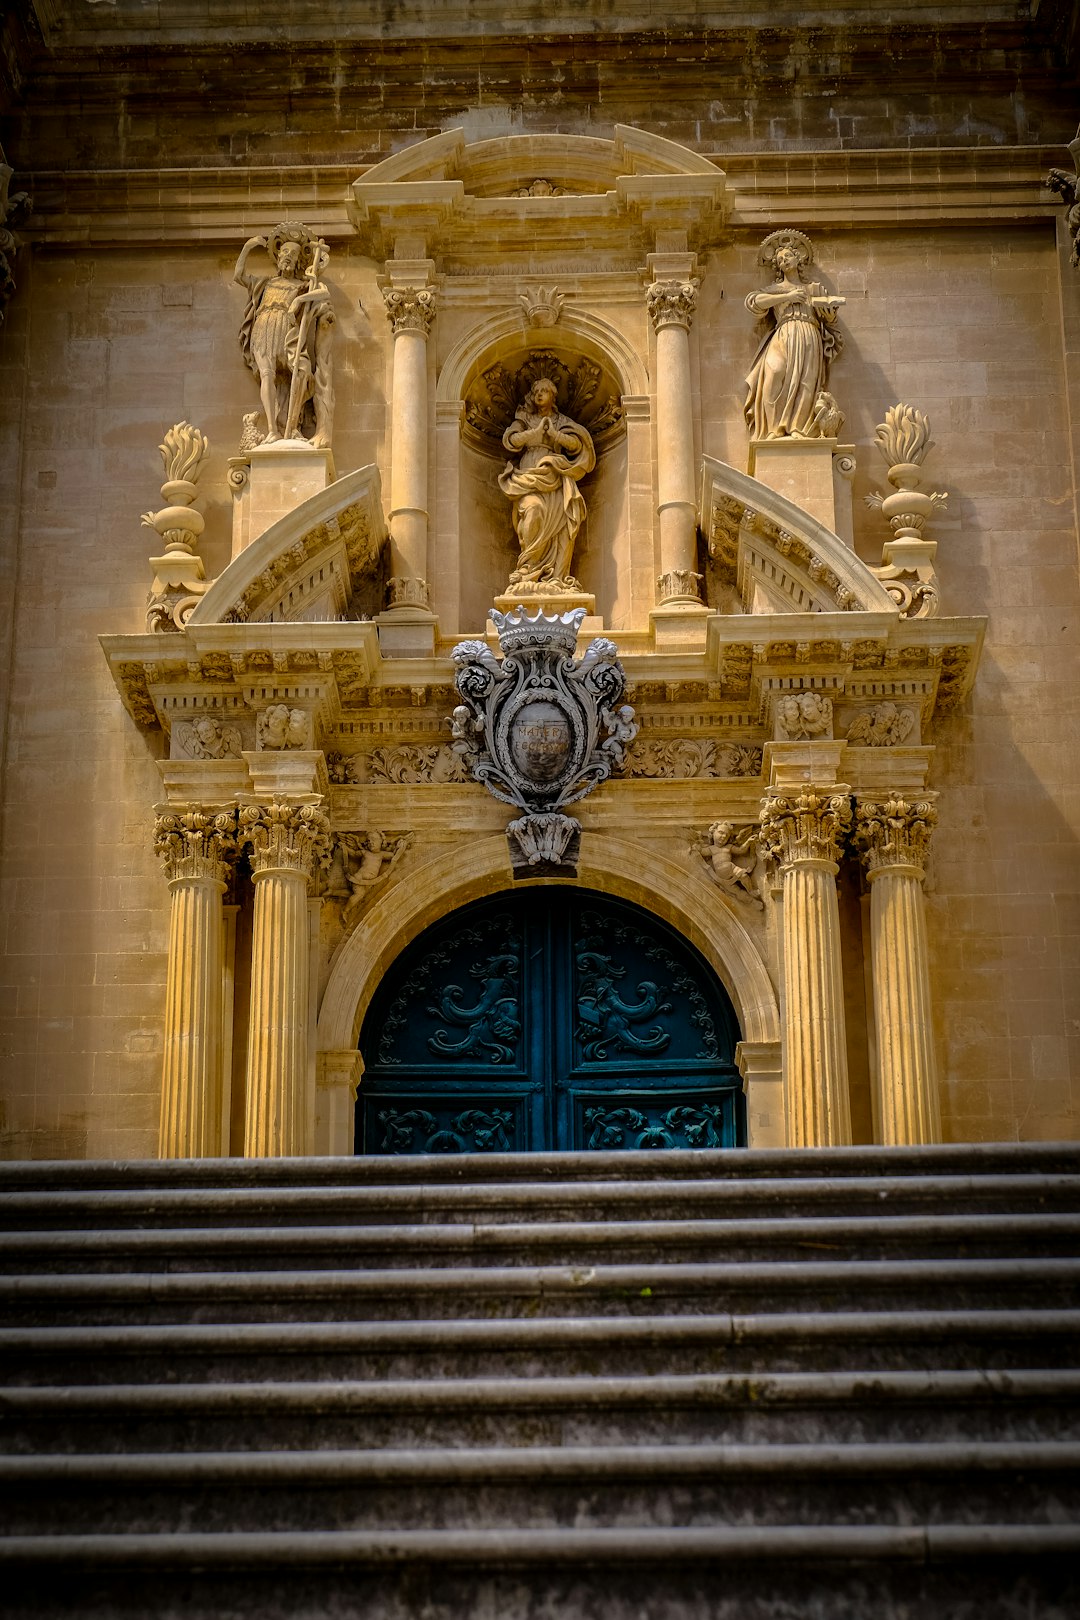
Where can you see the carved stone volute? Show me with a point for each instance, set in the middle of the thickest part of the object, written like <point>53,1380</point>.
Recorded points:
<point>409,309</point>
<point>672,303</point>
<point>810,825</point>
<point>892,834</point>
<point>285,837</point>
<point>196,844</point>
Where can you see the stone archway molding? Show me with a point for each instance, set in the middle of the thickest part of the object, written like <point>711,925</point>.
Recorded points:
<point>579,330</point>
<point>450,879</point>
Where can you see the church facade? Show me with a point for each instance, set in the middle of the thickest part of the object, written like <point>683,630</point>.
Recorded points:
<point>541,563</point>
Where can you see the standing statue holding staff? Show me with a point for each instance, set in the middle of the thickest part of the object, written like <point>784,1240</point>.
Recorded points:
<point>286,332</point>
<point>549,509</point>
<point>785,389</point>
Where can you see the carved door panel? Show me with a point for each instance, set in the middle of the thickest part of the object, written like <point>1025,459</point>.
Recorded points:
<point>558,1018</point>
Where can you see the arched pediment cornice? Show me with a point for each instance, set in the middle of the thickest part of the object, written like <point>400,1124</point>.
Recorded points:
<point>763,543</point>
<point>615,865</point>
<point>308,564</point>
<point>457,195</point>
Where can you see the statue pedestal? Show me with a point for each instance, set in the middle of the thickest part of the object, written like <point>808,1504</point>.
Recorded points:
<point>815,474</point>
<point>271,481</point>
<point>407,632</point>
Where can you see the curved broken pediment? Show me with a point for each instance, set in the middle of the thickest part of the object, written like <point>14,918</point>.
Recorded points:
<point>309,565</point>
<point>776,557</point>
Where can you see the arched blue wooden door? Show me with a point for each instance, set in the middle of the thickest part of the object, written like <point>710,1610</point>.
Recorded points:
<point>550,1018</point>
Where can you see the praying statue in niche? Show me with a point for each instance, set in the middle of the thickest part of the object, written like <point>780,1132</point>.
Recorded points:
<point>286,333</point>
<point>786,388</point>
<point>549,509</point>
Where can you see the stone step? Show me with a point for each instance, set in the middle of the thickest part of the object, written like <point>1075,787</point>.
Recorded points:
<point>526,1290</point>
<point>286,1248</point>
<point>539,1487</point>
<point>101,1209</point>
<point>525,1347</point>
<point>778,1407</point>
<point>425,1171</point>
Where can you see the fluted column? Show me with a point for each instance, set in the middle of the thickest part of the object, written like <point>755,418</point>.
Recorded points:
<point>285,841</point>
<point>804,832</point>
<point>671,310</point>
<point>410,311</point>
<point>893,837</point>
<point>195,848</point>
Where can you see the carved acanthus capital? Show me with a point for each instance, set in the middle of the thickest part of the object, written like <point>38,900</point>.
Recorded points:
<point>409,309</point>
<point>810,825</point>
<point>672,303</point>
<point>891,833</point>
<point>282,836</point>
<point>196,844</point>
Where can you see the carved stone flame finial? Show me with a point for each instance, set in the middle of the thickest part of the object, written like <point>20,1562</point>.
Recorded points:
<point>907,571</point>
<point>179,578</point>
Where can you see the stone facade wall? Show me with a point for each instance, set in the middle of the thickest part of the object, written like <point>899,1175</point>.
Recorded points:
<point>106,346</point>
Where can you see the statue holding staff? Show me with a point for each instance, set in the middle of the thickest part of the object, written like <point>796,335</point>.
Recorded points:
<point>286,332</point>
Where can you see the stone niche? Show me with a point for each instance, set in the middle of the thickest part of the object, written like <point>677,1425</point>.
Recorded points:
<point>537,253</point>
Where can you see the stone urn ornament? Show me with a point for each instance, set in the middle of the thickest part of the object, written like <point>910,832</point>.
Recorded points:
<point>540,729</point>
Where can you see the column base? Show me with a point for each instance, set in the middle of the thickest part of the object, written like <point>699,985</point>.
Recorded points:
<point>813,473</point>
<point>273,480</point>
<point>407,632</point>
<point>680,626</point>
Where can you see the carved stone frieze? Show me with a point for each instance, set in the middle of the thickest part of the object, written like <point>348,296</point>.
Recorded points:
<point>672,303</point>
<point>803,715</point>
<point>684,758</point>
<point>540,729</point>
<point>883,726</point>
<point>894,833</point>
<point>406,763</point>
<point>196,844</point>
<point>409,309</point>
<point>810,825</point>
<point>293,837</point>
<point>207,738</point>
<point>279,726</point>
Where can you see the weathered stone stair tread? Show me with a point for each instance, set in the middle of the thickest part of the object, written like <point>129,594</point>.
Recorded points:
<point>927,1543</point>
<point>372,1243</point>
<point>95,1206</point>
<point>657,1390</point>
<point>433,1465</point>
<point>734,1165</point>
<point>302,1338</point>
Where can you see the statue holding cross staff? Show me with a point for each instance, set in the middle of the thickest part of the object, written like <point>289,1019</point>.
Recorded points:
<point>286,332</point>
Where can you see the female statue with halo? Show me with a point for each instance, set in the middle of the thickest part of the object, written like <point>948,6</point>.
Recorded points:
<point>549,509</point>
<point>785,388</point>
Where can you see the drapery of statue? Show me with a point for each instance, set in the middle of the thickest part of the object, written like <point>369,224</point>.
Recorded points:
<point>549,508</point>
<point>286,334</point>
<point>786,394</point>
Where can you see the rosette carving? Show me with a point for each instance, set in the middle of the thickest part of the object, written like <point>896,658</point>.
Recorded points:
<point>893,832</point>
<point>290,836</point>
<point>196,843</point>
<point>810,825</point>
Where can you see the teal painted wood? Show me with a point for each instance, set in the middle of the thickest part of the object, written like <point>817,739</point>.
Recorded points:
<point>551,1018</point>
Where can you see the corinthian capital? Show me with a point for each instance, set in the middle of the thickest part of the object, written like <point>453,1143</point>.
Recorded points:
<point>196,843</point>
<point>672,303</point>
<point>807,826</point>
<point>409,309</point>
<point>894,833</point>
<point>290,836</point>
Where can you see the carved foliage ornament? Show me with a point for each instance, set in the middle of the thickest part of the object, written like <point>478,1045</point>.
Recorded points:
<point>409,309</point>
<point>684,758</point>
<point>540,729</point>
<point>285,836</point>
<point>807,826</point>
<point>672,303</point>
<point>492,403</point>
<point>195,844</point>
<point>893,833</point>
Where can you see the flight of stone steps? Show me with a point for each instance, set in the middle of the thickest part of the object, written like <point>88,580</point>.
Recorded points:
<point>746,1385</point>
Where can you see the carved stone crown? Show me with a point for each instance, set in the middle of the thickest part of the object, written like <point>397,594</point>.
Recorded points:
<point>518,630</point>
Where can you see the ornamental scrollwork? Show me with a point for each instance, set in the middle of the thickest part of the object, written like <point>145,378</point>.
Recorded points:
<point>474,1130</point>
<point>893,833</point>
<point>686,758</point>
<point>196,844</point>
<point>541,729</point>
<point>608,1128</point>
<point>402,1013</point>
<point>810,825</point>
<point>492,1024</point>
<point>605,1019</point>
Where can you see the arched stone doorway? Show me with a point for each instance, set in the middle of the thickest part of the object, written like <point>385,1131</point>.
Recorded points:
<point>559,1018</point>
